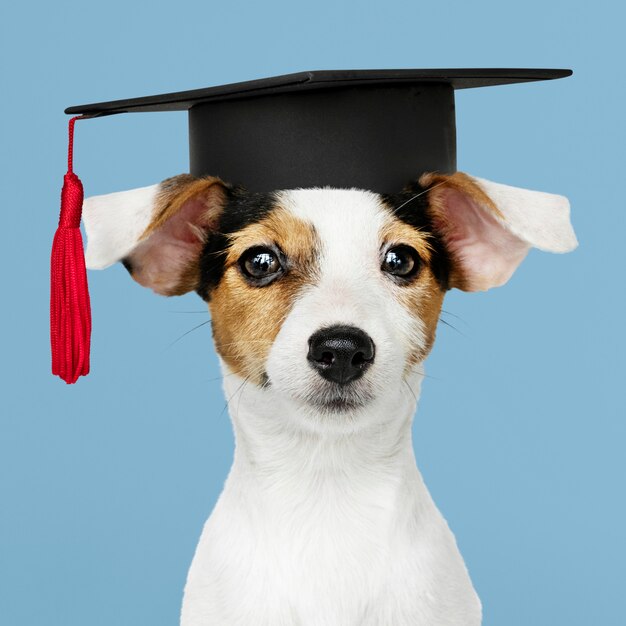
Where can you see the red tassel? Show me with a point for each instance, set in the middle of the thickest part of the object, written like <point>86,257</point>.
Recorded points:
<point>70,310</point>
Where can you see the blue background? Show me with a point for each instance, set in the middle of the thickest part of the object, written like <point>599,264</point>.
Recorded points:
<point>105,485</point>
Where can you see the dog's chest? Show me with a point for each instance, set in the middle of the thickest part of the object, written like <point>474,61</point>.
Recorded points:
<point>337,533</point>
<point>341,534</point>
<point>320,551</point>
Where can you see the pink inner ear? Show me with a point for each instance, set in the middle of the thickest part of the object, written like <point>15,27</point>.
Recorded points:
<point>160,261</point>
<point>182,228</point>
<point>485,252</point>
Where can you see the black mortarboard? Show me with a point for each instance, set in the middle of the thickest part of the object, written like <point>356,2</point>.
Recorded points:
<point>370,129</point>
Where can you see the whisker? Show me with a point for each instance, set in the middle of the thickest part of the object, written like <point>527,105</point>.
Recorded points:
<point>452,326</point>
<point>241,394</point>
<point>458,317</point>
<point>189,331</point>
<point>255,373</point>
<point>212,380</point>
<point>245,380</point>
<point>410,389</point>
<point>423,375</point>
<point>221,377</point>
<point>428,376</point>
<point>216,252</point>
<point>417,195</point>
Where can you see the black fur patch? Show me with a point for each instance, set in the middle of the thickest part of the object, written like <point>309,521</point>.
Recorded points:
<point>128,265</point>
<point>411,207</point>
<point>242,208</point>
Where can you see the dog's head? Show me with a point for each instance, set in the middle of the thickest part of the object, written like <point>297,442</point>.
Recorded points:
<point>329,298</point>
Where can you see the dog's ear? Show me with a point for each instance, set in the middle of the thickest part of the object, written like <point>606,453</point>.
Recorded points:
<point>488,228</point>
<point>157,232</point>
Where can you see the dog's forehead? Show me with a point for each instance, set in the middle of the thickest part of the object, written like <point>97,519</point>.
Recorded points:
<point>340,217</point>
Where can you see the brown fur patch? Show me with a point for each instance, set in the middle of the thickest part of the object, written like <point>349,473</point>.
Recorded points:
<point>176,191</point>
<point>459,181</point>
<point>424,300</point>
<point>188,279</point>
<point>397,232</point>
<point>422,297</point>
<point>246,319</point>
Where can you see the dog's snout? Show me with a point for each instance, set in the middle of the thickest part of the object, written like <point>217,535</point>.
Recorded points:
<point>341,353</point>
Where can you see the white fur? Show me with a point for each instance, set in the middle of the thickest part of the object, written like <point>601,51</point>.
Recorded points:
<point>114,223</point>
<point>325,528</point>
<point>540,219</point>
<point>324,519</point>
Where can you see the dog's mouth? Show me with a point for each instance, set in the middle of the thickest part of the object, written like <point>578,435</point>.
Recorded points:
<point>334,398</point>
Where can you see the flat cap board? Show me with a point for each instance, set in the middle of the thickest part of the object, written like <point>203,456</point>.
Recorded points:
<point>324,79</point>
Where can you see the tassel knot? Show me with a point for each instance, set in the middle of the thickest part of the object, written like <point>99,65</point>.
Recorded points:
<point>71,201</point>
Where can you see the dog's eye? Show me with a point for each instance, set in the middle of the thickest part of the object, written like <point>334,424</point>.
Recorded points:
<point>260,265</point>
<point>401,261</point>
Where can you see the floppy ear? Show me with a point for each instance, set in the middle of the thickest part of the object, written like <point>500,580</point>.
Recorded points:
<point>488,228</point>
<point>157,232</point>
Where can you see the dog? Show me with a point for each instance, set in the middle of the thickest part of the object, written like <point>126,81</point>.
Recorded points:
<point>324,304</point>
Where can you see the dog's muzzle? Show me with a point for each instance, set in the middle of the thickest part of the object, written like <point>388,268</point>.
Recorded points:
<point>340,354</point>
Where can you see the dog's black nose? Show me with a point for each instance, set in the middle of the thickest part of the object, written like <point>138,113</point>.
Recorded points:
<point>341,353</point>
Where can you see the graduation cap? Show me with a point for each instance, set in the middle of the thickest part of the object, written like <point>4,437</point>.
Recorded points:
<point>368,129</point>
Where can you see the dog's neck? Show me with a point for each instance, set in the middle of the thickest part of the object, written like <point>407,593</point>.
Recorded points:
<point>278,445</point>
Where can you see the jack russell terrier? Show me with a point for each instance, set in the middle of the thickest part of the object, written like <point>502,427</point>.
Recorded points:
<point>324,304</point>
